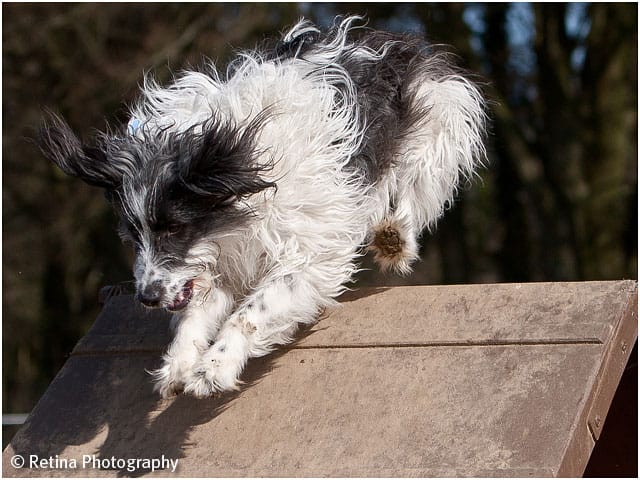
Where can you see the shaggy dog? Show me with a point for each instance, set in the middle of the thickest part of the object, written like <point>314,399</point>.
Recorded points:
<point>250,197</point>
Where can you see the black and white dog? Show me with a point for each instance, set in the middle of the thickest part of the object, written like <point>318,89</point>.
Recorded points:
<point>249,199</point>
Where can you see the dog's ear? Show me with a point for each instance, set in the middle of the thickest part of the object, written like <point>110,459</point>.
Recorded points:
<point>60,144</point>
<point>222,162</point>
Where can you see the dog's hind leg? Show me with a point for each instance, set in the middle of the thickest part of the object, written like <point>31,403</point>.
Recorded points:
<point>440,149</point>
<point>394,245</point>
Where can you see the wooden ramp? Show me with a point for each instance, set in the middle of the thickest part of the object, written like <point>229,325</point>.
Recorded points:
<point>480,380</point>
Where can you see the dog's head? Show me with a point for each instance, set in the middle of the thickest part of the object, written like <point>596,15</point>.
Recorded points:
<point>177,194</point>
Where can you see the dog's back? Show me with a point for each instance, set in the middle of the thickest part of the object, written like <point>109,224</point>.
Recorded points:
<point>421,122</point>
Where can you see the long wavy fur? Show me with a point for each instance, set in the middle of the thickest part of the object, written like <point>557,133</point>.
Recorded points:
<point>251,195</point>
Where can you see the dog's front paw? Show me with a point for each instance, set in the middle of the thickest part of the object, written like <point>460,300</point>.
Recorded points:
<point>217,371</point>
<point>166,382</point>
<point>171,377</point>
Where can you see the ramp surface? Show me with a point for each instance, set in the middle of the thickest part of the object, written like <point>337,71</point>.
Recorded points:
<point>481,380</point>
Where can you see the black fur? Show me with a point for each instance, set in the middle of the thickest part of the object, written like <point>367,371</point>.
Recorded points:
<point>382,84</point>
<point>60,145</point>
<point>200,180</point>
<point>194,182</point>
<point>294,48</point>
<point>385,102</point>
<point>220,163</point>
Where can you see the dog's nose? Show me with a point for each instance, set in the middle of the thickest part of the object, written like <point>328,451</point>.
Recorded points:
<point>152,294</point>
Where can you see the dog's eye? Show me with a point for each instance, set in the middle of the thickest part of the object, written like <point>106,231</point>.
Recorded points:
<point>170,230</point>
<point>166,230</point>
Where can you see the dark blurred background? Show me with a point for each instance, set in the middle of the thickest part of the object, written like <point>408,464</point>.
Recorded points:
<point>557,201</point>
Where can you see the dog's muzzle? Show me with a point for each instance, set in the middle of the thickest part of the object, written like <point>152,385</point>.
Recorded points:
<point>153,296</point>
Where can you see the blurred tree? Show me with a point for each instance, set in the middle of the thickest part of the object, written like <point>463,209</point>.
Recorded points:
<point>557,200</point>
<point>565,142</point>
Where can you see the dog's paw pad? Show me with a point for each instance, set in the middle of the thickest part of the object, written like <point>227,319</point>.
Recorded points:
<point>393,248</point>
<point>388,241</point>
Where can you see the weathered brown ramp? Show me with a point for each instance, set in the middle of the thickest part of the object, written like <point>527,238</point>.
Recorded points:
<point>486,380</point>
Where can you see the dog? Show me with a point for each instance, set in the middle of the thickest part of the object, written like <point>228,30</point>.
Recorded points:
<point>250,197</point>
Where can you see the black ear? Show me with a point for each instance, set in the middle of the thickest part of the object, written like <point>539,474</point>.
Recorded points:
<point>59,144</point>
<point>221,162</point>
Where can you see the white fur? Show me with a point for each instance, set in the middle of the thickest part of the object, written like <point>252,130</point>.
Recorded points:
<point>257,284</point>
